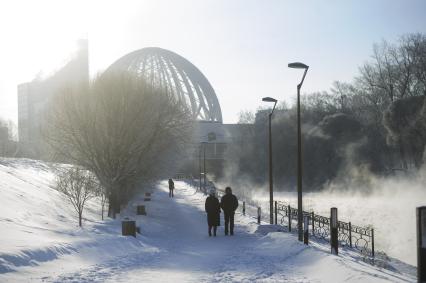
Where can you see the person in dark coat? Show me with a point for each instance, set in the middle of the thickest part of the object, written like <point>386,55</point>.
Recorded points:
<point>171,188</point>
<point>212,208</point>
<point>229,204</point>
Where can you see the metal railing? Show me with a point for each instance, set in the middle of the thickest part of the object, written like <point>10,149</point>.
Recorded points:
<point>357,237</point>
<point>183,176</point>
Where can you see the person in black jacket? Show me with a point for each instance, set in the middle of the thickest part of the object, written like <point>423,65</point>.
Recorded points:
<point>229,204</point>
<point>171,188</point>
<point>212,207</point>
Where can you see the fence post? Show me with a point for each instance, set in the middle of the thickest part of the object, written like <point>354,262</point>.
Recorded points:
<point>334,231</point>
<point>259,212</point>
<point>289,217</point>
<point>244,208</point>
<point>350,234</point>
<point>306,229</point>
<point>372,242</point>
<point>276,212</point>
<point>421,244</point>
<point>313,223</point>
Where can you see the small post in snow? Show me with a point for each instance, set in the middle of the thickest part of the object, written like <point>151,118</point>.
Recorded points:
<point>276,212</point>
<point>289,217</point>
<point>244,208</point>
<point>128,227</point>
<point>259,214</point>
<point>334,232</point>
<point>421,244</point>
<point>306,229</point>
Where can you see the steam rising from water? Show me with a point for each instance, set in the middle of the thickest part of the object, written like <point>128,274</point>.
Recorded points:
<point>388,204</point>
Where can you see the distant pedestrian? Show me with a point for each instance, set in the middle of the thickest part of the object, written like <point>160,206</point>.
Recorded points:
<point>229,204</point>
<point>212,208</point>
<point>171,188</point>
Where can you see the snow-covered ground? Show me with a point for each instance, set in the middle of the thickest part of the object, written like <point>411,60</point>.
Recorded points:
<point>41,241</point>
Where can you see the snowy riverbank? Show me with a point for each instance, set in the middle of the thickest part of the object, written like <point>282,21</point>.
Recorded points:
<point>41,241</point>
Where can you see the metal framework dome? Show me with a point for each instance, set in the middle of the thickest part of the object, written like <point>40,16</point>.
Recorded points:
<point>175,74</point>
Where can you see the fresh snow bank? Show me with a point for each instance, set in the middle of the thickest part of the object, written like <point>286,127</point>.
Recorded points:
<point>44,243</point>
<point>31,211</point>
<point>39,226</point>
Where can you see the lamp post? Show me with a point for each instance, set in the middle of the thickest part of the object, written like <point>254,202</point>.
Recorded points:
<point>199,165</point>
<point>298,65</point>
<point>271,186</point>
<point>421,244</point>
<point>204,151</point>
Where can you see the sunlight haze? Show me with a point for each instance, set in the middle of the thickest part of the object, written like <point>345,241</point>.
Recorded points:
<point>242,47</point>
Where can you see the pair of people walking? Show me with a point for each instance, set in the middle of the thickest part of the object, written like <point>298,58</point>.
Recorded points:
<point>228,203</point>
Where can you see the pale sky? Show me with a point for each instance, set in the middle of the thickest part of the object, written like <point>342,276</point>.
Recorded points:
<point>242,47</point>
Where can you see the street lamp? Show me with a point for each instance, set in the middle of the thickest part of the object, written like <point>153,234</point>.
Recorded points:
<point>204,149</point>
<point>271,189</point>
<point>199,166</point>
<point>298,65</point>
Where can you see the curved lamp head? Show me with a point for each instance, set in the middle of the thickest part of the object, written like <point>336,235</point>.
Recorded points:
<point>269,99</point>
<point>298,65</point>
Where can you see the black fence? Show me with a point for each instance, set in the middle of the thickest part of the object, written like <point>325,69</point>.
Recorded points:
<point>349,235</point>
<point>183,176</point>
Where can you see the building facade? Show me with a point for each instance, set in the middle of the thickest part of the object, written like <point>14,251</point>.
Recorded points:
<point>34,98</point>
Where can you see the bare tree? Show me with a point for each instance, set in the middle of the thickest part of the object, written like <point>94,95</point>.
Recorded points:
<point>405,120</point>
<point>8,138</point>
<point>78,186</point>
<point>122,129</point>
<point>414,47</point>
<point>245,117</point>
<point>397,71</point>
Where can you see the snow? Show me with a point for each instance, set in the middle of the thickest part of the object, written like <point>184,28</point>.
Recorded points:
<point>41,241</point>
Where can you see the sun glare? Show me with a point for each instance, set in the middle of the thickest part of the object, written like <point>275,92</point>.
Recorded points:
<point>44,35</point>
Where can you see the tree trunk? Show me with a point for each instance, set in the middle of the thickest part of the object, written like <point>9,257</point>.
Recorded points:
<point>402,155</point>
<point>417,154</point>
<point>79,219</point>
<point>114,204</point>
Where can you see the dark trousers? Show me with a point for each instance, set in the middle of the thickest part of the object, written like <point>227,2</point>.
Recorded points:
<point>214,230</point>
<point>170,193</point>
<point>229,220</point>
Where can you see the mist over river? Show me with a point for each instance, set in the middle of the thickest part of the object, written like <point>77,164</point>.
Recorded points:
<point>391,212</point>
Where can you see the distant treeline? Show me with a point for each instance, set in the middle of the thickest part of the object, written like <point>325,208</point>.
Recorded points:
<point>373,125</point>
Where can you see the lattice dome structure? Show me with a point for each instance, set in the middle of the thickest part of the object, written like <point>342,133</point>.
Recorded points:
<point>177,76</point>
